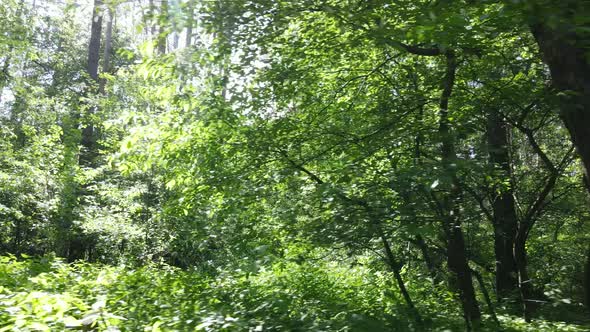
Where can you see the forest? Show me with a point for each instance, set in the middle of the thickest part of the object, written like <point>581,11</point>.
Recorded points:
<point>294,165</point>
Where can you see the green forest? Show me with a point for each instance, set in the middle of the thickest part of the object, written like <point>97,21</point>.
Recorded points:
<point>294,165</point>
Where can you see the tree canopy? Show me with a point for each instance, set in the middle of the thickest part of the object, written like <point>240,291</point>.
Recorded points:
<point>252,165</point>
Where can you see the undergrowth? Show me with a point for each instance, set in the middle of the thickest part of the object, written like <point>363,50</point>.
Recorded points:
<point>46,294</point>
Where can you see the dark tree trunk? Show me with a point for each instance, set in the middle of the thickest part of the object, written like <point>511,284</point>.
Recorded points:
<point>89,134</point>
<point>395,268</point>
<point>69,242</point>
<point>108,41</point>
<point>94,45</point>
<point>505,220</point>
<point>190,22</point>
<point>565,51</point>
<point>458,264</point>
<point>532,214</point>
<point>17,236</point>
<point>587,281</point>
<point>152,15</point>
<point>432,268</point>
<point>524,282</point>
<point>486,296</point>
<point>456,249</point>
<point>163,34</point>
<point>4,73</point>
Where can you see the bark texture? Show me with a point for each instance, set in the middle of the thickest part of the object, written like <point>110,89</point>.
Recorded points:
<point>89,135</point>
<point>108,41</point>
<point>505,220</point>
<point>456,249</point>
<point>564,48</point>
<point>524,281</point>
<point>587,281</point>
<point>189,27</point>
<point>94,44</point>
<point>108,46</point>
<point>163,33</point>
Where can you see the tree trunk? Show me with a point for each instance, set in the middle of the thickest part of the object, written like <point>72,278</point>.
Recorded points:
<point>108,37</point>
<point>456,250</point>
<point>88,141</point>
<point>94,45</point>
<point>4,73</point>
<point>565,52</point>
<point>395,268</point>
<point>587,281</point>
<point>108,41</point>
<point>175,41</point>
<point>152,16</point>
<point>458,264</point>
<point>190,22</point>
<point>505,220</point>
<point>563,42</point>
<point>486,296</point>
<point>524,282</point>
<point>68,240</point>
<point>163,34</point>
<point>432,268</point>
<point>17,236</point>
<point>417,162</point>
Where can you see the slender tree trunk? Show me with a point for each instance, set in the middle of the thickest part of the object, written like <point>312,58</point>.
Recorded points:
<point>527,222</point>
<point>505,220</point>
<point>153,20</point>
<point>395,268</point>
<point>163,34</point>
<point>175,41</point>
<point>108,43</point>
<point>458,264</point>
<point>432,268</point>
<point>417,162</point>
<point>4,74</point>
<point>456,249</point>
<point>587,281</point>
<point>389,256</point>
<point>189,27</point>
<point>486,296</point>
<point>524,281</point>
<point>17,236</point>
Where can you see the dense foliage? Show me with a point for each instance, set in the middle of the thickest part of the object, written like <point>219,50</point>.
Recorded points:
<point>256,165</point>
<point>47,295</point>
